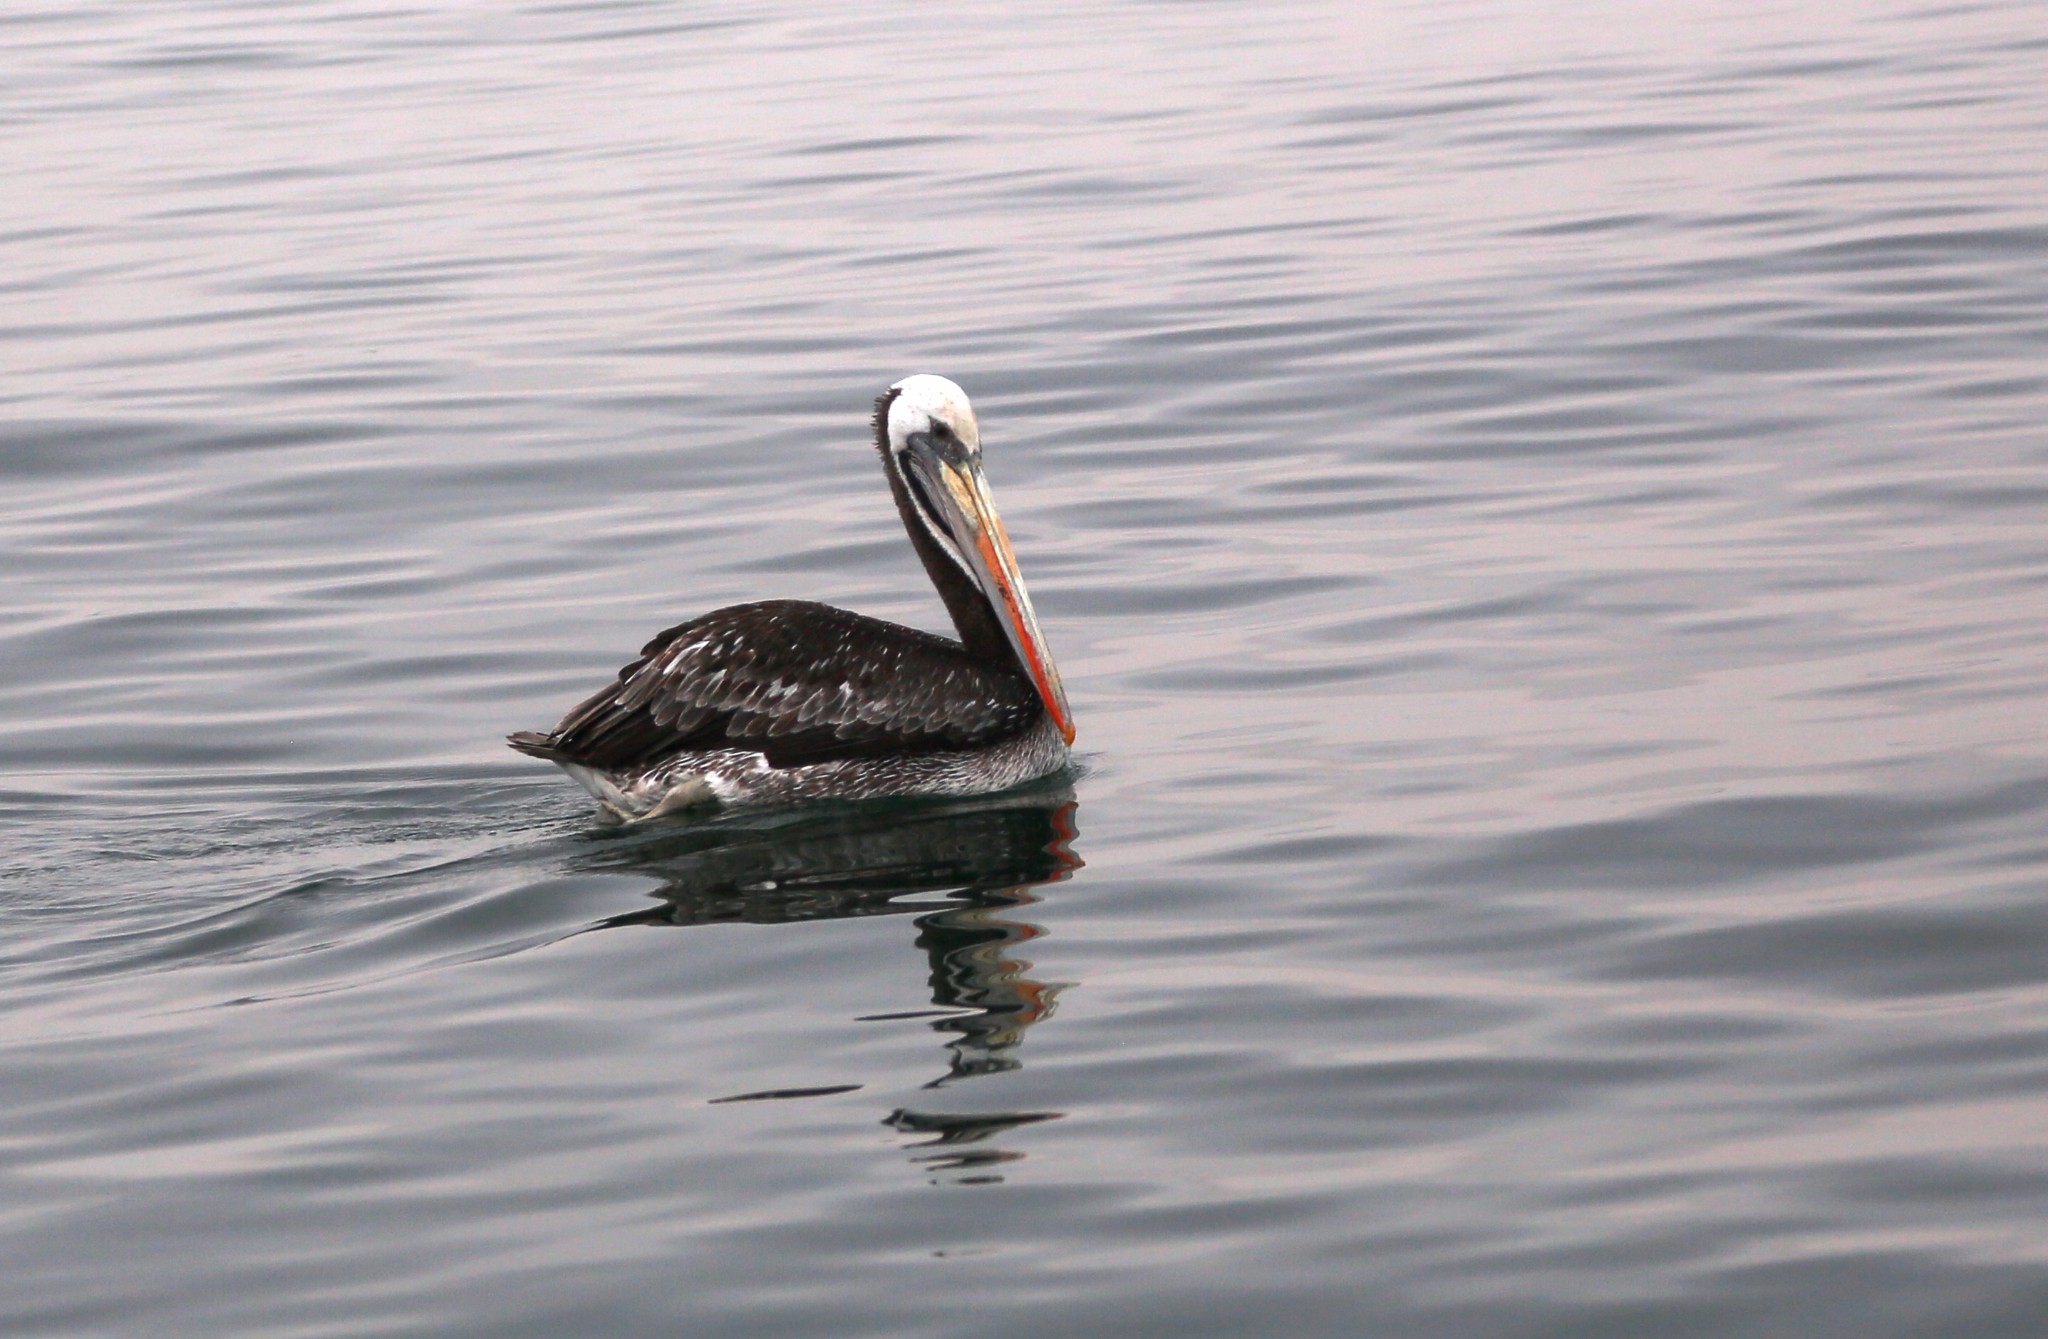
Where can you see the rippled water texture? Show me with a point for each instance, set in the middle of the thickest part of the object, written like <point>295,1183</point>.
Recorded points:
<point>1542,510</point>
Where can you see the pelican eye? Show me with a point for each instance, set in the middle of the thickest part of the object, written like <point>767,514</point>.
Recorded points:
<point>948,442</point>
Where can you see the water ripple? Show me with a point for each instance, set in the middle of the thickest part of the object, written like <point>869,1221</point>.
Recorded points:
<point>1541,522</point>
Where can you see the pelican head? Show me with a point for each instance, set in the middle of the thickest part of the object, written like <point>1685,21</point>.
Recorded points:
<point>933,406</point>
<point>934,442</point>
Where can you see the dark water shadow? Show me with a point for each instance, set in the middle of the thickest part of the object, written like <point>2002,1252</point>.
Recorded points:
<point>961,870</point>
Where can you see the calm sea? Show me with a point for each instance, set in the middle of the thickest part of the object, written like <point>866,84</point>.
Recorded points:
<point>1542,510</point>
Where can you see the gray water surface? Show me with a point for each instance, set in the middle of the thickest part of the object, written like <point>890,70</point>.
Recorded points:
<point>1543,515</point>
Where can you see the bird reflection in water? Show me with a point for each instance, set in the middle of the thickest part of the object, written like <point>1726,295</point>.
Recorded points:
<point>984,856</point>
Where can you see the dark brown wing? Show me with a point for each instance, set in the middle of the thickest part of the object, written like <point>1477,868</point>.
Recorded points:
<point>797,681</point>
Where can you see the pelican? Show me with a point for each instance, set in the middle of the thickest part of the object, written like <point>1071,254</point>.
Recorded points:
<point>782,701</point>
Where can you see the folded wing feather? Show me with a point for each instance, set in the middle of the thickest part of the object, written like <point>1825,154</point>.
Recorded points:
<point>797,681</point>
